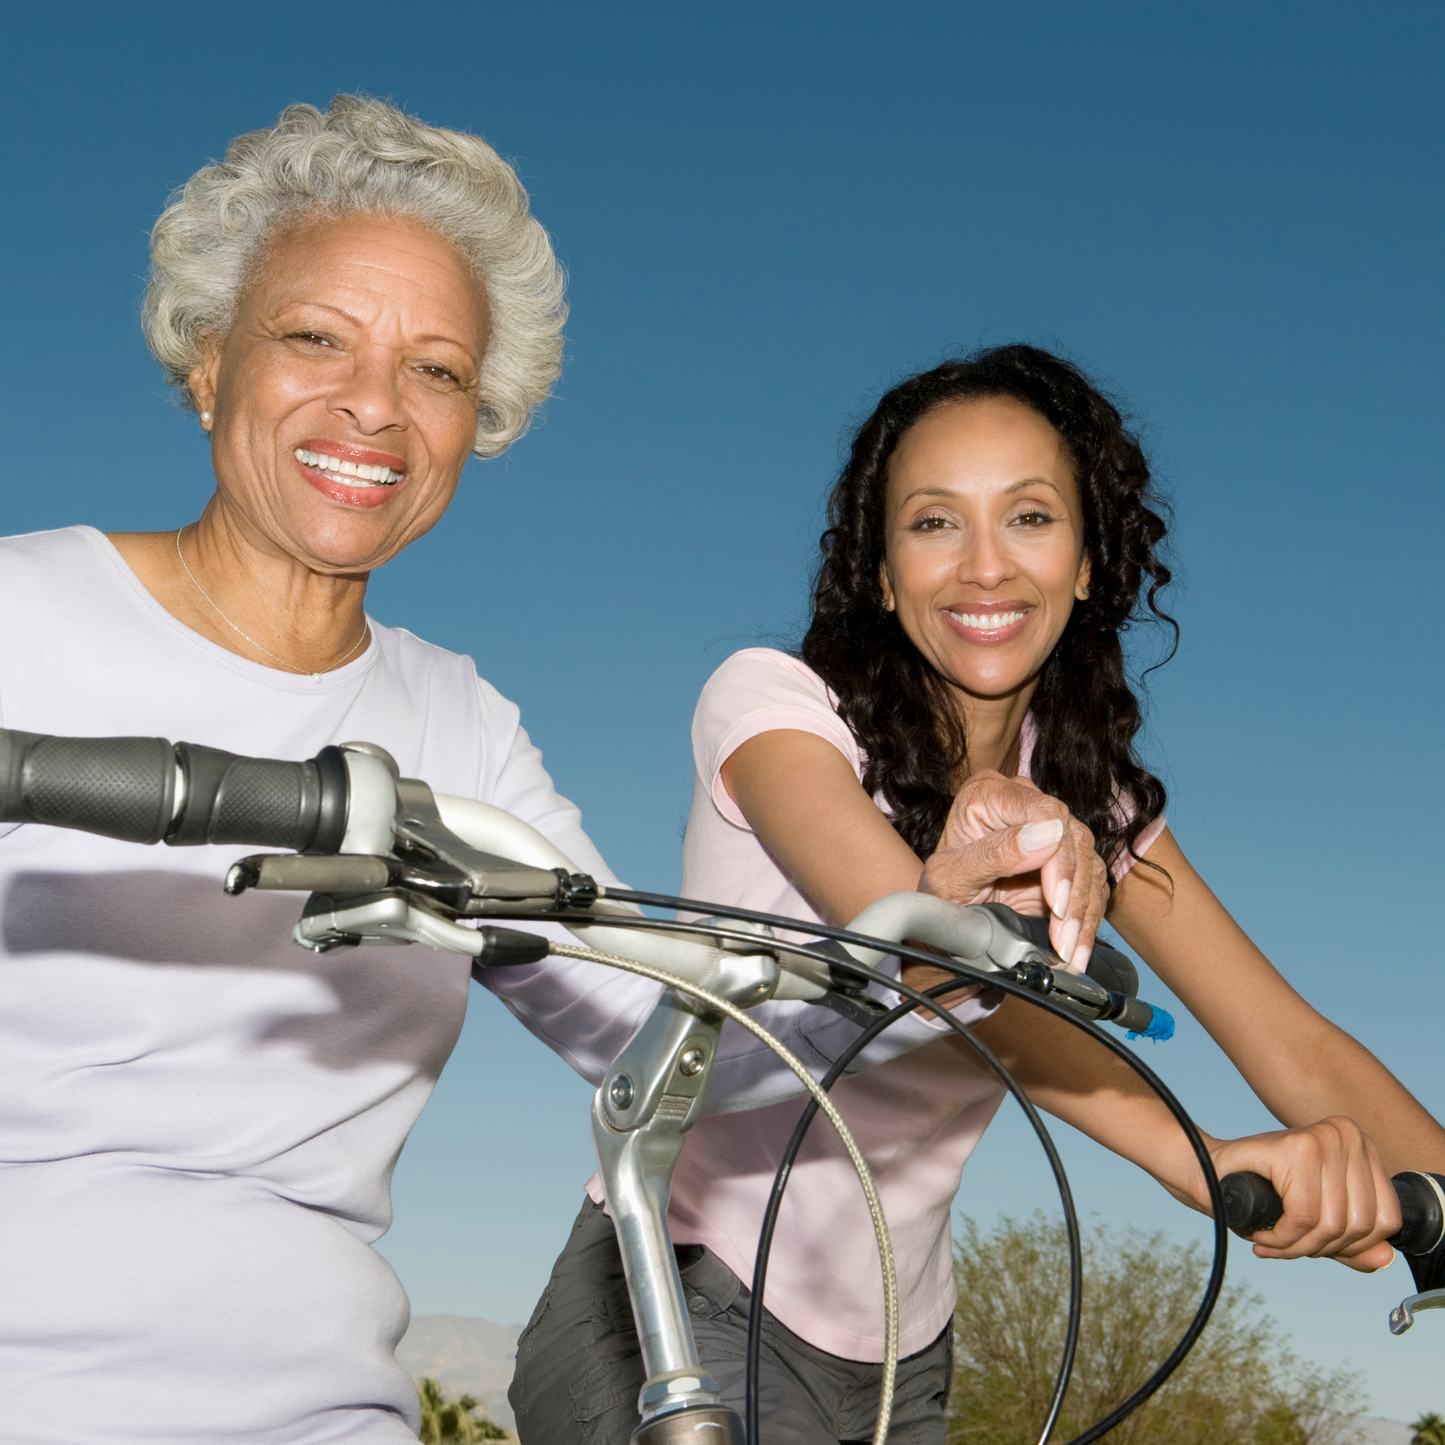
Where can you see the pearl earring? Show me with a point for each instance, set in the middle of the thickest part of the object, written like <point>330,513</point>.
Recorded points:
<point>205,417</point>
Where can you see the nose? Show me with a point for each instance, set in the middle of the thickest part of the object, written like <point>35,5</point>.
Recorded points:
<point>983,560</point>
<point>370,395</point>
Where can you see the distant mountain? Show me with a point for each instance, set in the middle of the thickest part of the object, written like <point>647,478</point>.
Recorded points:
<point>1374,1431</point>
<point>470,1355</point>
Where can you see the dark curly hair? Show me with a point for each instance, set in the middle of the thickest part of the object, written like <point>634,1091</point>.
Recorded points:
<point>898,706</point>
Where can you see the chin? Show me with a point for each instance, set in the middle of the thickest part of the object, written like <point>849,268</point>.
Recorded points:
<point>349,546</point>
<point>992,684</point>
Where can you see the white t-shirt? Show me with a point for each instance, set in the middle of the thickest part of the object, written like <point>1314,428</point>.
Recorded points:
<point>199,1119</point>
<point>917,1118</point>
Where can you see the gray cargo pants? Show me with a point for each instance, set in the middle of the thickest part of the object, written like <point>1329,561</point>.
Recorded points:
<point>579,1367</point>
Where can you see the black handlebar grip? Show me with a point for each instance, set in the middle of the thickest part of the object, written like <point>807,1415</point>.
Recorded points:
<point>126,788</point>
<point>1251,1202</point>
<point>261,802</point>
<point>117,787</point>
<point>1422,1212</point>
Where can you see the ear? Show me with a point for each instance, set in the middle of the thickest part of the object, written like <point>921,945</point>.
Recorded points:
<point>886,585</point>
<point>203,377</point>
<point>1081,582</point>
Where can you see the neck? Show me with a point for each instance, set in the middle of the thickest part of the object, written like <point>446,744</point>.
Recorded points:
<point>247,594</point>
<point>992,727</point>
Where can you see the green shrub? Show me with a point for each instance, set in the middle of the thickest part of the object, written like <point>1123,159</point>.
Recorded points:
<point>1239,1386</point>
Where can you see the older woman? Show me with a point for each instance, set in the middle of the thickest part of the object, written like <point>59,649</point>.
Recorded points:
<point>200,1120</point>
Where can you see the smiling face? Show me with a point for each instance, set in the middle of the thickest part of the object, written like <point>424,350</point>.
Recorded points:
<point>344,395</point>
<point>985,544</point>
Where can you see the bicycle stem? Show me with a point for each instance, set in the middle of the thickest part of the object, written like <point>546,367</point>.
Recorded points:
<point>640,1114</point>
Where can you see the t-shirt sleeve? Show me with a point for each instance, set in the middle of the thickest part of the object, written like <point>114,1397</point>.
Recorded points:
<point>513,777</point>
<point>582,1010</point>
<point>1125,859</point>
<point>761,690</point>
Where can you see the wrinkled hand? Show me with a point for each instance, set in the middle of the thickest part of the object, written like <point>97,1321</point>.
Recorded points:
<point>1006,842</point>
<point>1338,1199</point>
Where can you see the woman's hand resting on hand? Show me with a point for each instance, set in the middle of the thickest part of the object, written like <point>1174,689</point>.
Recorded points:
<point>1006,842</point>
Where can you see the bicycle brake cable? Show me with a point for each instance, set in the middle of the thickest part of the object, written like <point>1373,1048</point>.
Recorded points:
<point>784,1170</point>
<point>1215,1281</point>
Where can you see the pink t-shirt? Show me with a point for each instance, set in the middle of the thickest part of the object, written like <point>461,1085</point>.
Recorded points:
<point>917,1118</point>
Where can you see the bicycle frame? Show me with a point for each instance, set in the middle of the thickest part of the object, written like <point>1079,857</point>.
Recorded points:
<point>656,1087</point>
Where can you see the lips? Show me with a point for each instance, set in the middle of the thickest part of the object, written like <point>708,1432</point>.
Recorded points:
<point>355,476</point>
<point>344,451</point>
<point>995,623</point>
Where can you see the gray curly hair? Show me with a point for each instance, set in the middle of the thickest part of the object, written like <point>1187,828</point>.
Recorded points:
<point>363,155</point>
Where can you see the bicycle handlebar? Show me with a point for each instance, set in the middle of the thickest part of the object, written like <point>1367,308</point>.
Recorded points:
<point>1252,1203</point>
<point>415,861</point>
<point>146,790</point>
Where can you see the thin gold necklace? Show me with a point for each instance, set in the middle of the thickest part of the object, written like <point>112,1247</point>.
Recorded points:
<point>315,676</point>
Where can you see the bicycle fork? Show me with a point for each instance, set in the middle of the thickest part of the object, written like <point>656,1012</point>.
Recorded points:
<point>650,1097</point>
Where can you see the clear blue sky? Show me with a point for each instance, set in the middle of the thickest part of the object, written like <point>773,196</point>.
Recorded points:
<point>1231,213</point>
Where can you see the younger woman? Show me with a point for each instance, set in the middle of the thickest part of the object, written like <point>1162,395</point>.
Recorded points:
<point>990,537</point>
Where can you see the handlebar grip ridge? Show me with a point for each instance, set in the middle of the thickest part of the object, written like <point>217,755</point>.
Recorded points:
<point>117,787</point>
<point>261,802</point>
<point>126,788</point>
<point>1251,1203</point>
<point>1113,969</point>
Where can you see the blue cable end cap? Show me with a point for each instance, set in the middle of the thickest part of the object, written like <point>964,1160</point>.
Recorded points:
<point>1161,1027</point>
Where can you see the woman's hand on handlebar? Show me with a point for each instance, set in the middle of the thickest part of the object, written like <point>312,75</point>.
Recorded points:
<point>1338,1199</point>
<point>1006,842</point>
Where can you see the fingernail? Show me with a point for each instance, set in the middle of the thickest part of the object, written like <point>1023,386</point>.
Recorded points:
<point>1080,960</point>
<point>1070,938</point>
<point>1061,898</point>
<point>1041,835</point>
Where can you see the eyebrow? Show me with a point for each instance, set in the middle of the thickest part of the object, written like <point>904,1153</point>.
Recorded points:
<point>356,321</point>
<point>1007,491</point>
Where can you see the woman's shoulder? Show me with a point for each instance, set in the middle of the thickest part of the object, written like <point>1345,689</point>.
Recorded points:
<point>51,580</point>
<point>426,668</point>
<point>760,674</point>
<point>758,690</point>
<point>57,549</point>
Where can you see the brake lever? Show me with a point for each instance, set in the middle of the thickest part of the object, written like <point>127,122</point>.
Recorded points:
<point>443,884</point>
<point>440,884</point>
<point>1403,1315</point>
<point>394,917</point>
<point>1106,992</point>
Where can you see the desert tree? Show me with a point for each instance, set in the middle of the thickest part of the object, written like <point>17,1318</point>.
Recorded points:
<point>1239,1385</point>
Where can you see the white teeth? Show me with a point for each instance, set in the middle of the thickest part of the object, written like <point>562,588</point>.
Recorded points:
<point>987,621</point>
<point>342,471</point>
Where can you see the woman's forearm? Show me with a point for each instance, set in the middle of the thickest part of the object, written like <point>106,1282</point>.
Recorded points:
<point>1337,1198</point>
<point>1322,1071</point>
<point>1077,1080</point>
<point>1300,1065</point>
